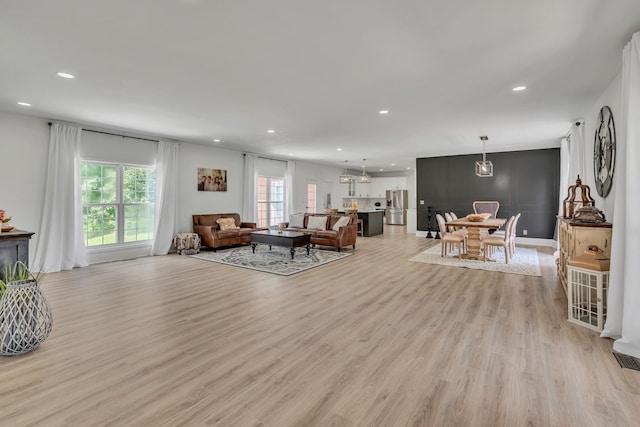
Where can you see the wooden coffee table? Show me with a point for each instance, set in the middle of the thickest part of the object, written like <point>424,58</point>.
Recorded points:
<point>288,239</point>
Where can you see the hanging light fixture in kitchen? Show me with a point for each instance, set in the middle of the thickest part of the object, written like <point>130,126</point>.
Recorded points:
<point>485,167</point>
<point>345,178</point>
<point>364,178</point>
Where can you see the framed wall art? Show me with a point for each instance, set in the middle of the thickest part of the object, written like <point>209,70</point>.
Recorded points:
<point>212,179</point>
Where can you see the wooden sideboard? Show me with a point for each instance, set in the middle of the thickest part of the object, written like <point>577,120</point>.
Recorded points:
<point>575,238</point>
<point>14,247</point>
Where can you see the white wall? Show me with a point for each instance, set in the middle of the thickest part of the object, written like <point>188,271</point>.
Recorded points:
<point>24,143</point>
<point>190,200</point>
<point>612,98</point>
<point>326,180</point>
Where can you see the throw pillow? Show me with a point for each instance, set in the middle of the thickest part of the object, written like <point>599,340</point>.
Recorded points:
<point>296,220</point>
<point>344,220</point>
<point>226,223</point>
<point>317,223</point>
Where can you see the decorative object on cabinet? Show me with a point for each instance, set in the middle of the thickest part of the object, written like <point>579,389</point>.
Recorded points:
<point>589,214</point>
<point>484,168</point>
<point>575,238</point>
<point>25,315</point>
<point>569,203</point>
<point>587,288</point>
<point>4,222</point>
<point>604,152</point>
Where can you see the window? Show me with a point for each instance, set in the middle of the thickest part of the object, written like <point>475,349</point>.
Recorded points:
<point>117,203</point>
<point>270,200</point>
<point>311,198</point>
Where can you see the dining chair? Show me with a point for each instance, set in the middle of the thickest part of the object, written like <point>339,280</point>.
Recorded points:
<point>514,227</point>
<point>448,218</point>
<point>450,239</point>
<point>484,206</point>
<point>458,230</point>
<point>489,243</point>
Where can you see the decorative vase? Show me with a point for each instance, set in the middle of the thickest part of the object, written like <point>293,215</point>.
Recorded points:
<point>25,318</point>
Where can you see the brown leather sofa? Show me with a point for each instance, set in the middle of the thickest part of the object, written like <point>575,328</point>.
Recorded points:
<point>345,236</point>
<point>212,236</point>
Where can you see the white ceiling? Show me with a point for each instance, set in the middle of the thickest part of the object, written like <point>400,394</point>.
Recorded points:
<point>318,72</point>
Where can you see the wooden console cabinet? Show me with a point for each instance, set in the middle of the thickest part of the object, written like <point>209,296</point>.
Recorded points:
<point>575,238</point>
<point>14,246</point>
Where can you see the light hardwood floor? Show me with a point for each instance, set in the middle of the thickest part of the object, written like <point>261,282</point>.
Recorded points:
<point>372,340</point>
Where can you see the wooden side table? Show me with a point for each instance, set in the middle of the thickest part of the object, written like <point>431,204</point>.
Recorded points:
<point>14,247</point>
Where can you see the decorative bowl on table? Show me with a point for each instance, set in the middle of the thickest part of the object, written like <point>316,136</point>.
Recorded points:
<point>478,217</point>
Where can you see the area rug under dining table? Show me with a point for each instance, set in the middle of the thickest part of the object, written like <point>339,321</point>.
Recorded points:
<point>525,261</point>
<point>277,260</point>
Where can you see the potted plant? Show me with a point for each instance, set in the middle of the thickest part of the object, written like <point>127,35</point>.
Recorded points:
<point>25,315</point>
<point>4,222</point>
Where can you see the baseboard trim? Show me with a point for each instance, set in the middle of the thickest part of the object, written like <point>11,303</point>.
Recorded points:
<point>526,241</point>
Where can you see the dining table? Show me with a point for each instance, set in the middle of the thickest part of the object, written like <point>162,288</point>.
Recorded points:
<point>474,229</point>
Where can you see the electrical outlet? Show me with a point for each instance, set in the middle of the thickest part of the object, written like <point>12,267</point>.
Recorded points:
<point>524,232</point>
<point>422,202</point>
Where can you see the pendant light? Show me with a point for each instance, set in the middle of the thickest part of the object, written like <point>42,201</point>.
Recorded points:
<point>364,178</point>
<point>345,178</point>
<point>484,168</point>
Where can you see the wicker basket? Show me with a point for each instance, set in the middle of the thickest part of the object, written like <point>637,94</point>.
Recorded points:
<point>25,318</point>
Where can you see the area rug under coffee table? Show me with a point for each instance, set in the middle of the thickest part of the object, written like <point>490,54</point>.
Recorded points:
<point>525,261</point>
<point>277,260</point>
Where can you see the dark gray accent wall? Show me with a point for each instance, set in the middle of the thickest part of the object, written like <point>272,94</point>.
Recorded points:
<point>523,181</point>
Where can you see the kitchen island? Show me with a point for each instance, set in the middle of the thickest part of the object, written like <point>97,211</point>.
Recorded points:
<point>372,221</point>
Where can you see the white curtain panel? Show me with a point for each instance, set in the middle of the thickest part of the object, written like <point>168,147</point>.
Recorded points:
<point>61,239</point>
<point>577,161</point>
<point>166,203</point>
<point>291,189</point>
<point>623,312</point>
<point>564,179</point>
<point>249,202</point>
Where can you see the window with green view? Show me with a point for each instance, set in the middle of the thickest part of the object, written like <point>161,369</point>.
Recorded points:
<point>117,203</point>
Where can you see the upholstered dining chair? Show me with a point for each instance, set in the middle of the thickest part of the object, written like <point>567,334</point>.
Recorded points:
<point>457,230</point>
<point>448,218</point>
<point>514,227</point>
<point>489,243</point>
<point>450,239</point>
<point>484,206</point>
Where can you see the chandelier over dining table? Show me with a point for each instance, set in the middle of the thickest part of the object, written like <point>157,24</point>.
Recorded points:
<point>485,167</point>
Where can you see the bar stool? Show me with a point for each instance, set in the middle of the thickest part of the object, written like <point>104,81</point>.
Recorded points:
<point>360,227</point>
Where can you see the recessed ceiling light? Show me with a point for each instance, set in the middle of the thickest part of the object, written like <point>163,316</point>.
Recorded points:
<point>24,104</point>
<point>291,154</point>
<point>66,75</point>
<point>216,140</point>
<point>519,88</point>
<point>393,164</point>
<point>339,149</point>
<point>381,169</point>
<point>384,111</point>
<point>409,168</point>
<point>271,131</point>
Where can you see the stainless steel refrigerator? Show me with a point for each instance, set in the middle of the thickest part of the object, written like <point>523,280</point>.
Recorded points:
<point>396,212</point>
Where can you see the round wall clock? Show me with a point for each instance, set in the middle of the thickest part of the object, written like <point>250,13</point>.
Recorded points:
<point>604,152</point>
